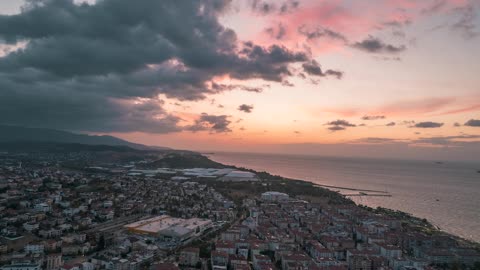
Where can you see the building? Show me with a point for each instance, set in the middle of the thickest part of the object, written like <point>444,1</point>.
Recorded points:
<point>219,260</point>
<point>36,248</point>
<point>390,251</point>
<point>171,229</point>
<point>274,196</point>
<point>42,207</point>
<point>21,266</point>
<point>30,226</point>
<point>54,261</point>
<point>239,176</point>
<point>189,257</point>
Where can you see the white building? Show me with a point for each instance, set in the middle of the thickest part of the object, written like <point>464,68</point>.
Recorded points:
<point>42,207</point>
<point>274,196</point>
<point>239,176</point>
<point>34,248</point>
<point>169,228</point>
<point>30,226</point>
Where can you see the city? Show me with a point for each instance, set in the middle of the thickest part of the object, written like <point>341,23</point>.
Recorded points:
<point>123,216</point>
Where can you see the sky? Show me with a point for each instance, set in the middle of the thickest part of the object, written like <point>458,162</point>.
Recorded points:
<point>380,78</point>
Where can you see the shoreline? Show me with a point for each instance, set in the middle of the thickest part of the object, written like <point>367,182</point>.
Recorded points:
<point>406,215</point>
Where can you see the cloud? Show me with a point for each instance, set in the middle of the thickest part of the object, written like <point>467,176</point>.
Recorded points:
<point>391,124</point>
<point>473,123</point>
<point>320,32</point>
<point>373,117</point>
<point>467,108</point>
<point>456,124</point>
<point>336,128</point>
<point>245,108</point>
<point>407,122</point>
<point>338,125</point>
<point>402,108</point>
<point>278,32</point>
<point>269,7</point>
<point>343,123</point>
<point>287,83</point>
<point>466,24</point>
<point>447,140</point>
<point>375,45</point>
<point>82,65</point>
<point>376,140</point>
<point>229,87</point>
<point>427,125</point>
<point>434,7</point>
<point>313,68</point>
<point>214,123</point>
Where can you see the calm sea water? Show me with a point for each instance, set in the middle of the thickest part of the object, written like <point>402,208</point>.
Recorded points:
<point>446,194</point>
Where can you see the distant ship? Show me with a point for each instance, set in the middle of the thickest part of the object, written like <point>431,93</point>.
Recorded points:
<point>439,162</point>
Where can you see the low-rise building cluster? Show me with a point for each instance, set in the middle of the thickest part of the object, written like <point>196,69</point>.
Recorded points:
<point>289,234</point>
<point>55,217</point>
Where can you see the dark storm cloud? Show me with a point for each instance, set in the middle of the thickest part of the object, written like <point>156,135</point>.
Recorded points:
<point>320,32</point>
<point>83,63</point>
<point>245,108</point>
<point>375,45</point>
<point>313,68</point>
<point>427,125</point>
<point>207,122</point>
<point>473,123</point>
<point>373,117</point>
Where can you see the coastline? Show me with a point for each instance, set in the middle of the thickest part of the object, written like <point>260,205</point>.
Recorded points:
<point>286,182</point>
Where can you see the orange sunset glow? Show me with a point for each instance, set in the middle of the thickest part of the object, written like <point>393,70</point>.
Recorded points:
<point>252,75</point>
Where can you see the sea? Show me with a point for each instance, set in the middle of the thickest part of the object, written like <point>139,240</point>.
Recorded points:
<point>445,193</point>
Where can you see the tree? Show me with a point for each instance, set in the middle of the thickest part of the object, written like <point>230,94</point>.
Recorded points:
<point>101,243</point>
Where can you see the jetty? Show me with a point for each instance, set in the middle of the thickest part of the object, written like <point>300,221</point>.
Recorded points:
<point>352,189</point>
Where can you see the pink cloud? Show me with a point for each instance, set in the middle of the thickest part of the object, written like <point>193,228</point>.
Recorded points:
<point>355,19</point>
<point>411,108</point>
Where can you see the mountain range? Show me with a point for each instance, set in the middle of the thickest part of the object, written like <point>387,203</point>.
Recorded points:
<point>16,134</point>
